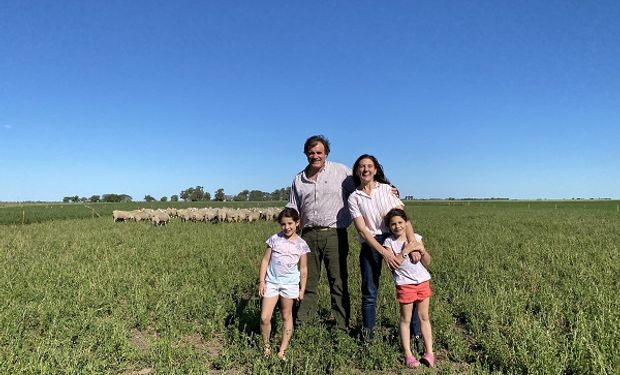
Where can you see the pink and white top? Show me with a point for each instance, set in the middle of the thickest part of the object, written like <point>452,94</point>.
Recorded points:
<point>373,207</point>
<point>285,254</point>
<point>408,272</point>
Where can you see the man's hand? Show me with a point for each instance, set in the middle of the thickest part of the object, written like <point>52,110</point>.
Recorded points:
<point>395,191</point>
<point>415,256</point>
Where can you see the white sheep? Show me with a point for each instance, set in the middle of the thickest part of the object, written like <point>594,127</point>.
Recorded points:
<point>119,215</point>
<point>160,218</point>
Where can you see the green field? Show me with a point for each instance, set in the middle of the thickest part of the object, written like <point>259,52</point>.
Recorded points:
<point>519,287</point>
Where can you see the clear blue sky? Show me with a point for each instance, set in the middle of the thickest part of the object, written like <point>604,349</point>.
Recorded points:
<point>517,99</point>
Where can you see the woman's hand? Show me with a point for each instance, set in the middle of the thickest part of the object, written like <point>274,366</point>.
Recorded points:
<point>391,259</point>
<point>301,295</point>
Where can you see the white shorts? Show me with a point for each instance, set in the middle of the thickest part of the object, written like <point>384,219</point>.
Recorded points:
<point>284,290</point>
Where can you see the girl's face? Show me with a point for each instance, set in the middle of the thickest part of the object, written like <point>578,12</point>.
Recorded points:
<point>397,225</point>
<point>289,226</point>
<point>366,170</point>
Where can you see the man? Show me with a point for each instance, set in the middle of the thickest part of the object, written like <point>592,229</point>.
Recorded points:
<point>320,193</point>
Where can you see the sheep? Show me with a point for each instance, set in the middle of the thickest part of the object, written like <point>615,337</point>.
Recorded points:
<point>221,215</point>
<point>233,216</point>
<point>270,213</point>
<point>211,214</point>
<point>252,215</point>
<point>184,214</point>
<point>160,218</point>
<point>118,215</point>
<point>141,215</point>
<point>198,215</point>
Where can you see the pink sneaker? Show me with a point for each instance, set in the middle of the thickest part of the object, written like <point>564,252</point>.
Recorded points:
<point>412,362</point>
<point>428,359</point>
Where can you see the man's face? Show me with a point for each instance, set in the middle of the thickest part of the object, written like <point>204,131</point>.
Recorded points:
<point>316,156</point>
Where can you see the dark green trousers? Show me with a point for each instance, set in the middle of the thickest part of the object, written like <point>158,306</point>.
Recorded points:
<point>329,247</point>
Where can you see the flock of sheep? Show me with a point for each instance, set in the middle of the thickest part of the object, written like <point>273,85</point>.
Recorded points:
<point>229,215</point>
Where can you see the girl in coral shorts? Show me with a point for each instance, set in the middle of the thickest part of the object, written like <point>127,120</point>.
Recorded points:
<point>412,286</point>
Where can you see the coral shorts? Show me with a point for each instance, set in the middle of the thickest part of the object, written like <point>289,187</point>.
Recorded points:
<point>410,293</point>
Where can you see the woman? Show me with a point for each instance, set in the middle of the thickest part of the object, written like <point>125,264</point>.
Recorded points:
<point>368,205</point>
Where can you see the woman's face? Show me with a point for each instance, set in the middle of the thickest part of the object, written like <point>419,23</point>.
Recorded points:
<point>366,170</point>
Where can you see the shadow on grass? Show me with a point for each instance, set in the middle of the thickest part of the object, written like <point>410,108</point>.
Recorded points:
<point>246,317</point>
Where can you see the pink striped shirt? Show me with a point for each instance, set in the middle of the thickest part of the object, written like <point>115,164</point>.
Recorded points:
<point>373,207</point>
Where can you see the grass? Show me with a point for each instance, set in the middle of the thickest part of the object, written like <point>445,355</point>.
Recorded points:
<point>29,213</point>
<point>518,289</point>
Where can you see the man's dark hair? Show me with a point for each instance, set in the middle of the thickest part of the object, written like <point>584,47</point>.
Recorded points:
<point>314,140</point>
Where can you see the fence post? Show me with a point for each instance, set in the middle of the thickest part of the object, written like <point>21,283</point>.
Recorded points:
<point>23,217</point>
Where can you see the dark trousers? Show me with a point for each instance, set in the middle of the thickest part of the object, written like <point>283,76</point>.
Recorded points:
<point>329,247</point>
<point>370,267</point>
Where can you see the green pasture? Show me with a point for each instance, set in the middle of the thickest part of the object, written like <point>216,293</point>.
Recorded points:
<point>519,287</point>
<point>28,213</point>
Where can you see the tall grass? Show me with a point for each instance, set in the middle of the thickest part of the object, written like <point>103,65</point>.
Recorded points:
<point>516,290</point>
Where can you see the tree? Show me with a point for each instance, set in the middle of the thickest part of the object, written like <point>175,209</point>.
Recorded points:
<point>66,199</point>
<point>116,198</point>
<point>280,194</point>
<point>256,196</point>
<point>193,194</point>
<point>94,198</point>
<point>207,196</point>
<point>126,198</point>
<point>219,195</point>
<point>74,199</point>
<point>163,199</point>
<point>242,196</point>
<point>174,198</point>
<point>148,198</point>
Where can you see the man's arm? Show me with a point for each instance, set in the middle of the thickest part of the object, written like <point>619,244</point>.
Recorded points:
<point>293,199</point>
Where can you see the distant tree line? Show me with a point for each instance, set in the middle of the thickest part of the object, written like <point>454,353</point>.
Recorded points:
<point>198,194</point>
<point>112,198</point>
<point>191,194</point>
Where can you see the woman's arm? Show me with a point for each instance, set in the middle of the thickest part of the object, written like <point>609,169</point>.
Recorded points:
<point>263,272</point>
<point>368,237</point>
<point>303,277</point>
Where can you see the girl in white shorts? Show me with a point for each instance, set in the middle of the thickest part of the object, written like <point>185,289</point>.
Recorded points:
<point>282,276</point>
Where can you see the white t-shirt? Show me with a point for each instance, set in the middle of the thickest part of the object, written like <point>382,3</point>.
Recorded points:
<point>285,254</point>
<point>408,272</point>
<point>373,207</point>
